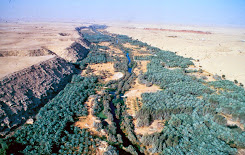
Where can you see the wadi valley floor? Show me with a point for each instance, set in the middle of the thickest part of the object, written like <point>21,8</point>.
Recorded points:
<point>121,89</point>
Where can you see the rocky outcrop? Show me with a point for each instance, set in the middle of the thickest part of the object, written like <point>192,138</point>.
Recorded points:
<point>24,92</point>
<point>76,52</point>
<point>29,53</point>
<point>84,42</point>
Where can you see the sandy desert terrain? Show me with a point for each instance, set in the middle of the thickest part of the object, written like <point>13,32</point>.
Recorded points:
<point>18,39</point>
<point>14,63</point>
<point>218,50</point>
<point>106,70</point>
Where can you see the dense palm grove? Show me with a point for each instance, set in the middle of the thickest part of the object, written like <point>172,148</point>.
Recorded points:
<point>196,105</point>
<point>52,131</point>
<point>192,108</point>
<point>194,134</point>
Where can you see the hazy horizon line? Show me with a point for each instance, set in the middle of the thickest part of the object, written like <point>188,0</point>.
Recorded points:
<point>93,21</point>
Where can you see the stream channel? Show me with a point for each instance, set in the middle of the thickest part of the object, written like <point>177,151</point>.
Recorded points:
<point>126,141</point>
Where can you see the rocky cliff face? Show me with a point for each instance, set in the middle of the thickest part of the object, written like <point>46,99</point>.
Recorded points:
<point>76,52</point>
<point>29,53</point>
<point>84,42</point>
<point>24,92</point>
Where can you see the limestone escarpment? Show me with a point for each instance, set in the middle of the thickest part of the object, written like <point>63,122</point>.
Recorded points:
<point>29,53</point>
<point>76,52</point>
<point>24,92</point>
<point>84,42</point>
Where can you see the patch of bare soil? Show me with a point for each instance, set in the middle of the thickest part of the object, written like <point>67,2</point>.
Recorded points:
<point>240,151</point>
<point>156,126</point>
<point>232,122</point>
<point>105,70</point>
<point>137,51</point>
<point>104,44</point>
<point>87,121</point>
<point>101,148</point>
<point>133,105</point>
<point>112,51</point>
<point>203,75</point>
<point>115,52</point>
<point>133,100</point>
<point>141,67</point>
<point>128,45</point>
<point>12,64</point>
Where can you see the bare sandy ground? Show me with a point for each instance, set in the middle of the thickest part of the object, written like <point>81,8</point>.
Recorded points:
<point>232,122</point>
<point>134,96</point>
<point>219,50</point>
<point>133,100</point>
<point>27,36</point>
<point>12,63</point>
<point>156,126</point>
<point>106,70</point>
<point>24,36</point>
<point>87,121</point>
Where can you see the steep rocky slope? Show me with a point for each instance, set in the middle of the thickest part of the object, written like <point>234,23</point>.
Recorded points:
<point>34,67</point>
<point>29,53</point>
<point>16,60</point>
<point>75,52</point>
<point>24,92</point>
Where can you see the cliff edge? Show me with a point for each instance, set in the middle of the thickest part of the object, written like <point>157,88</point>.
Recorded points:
<point>24,92</point>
